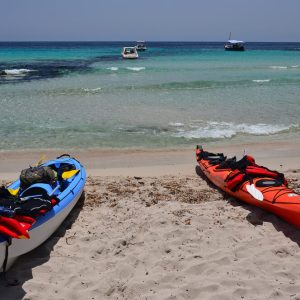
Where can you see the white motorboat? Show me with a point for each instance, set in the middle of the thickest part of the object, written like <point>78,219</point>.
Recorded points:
<point>130,53</point>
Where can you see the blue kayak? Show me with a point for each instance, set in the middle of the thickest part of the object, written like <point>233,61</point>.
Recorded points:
<point>65,192</point>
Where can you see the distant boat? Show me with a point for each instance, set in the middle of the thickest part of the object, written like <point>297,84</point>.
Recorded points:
<point>141,46</point>
<point>234,45</point>
<point>130,53</point>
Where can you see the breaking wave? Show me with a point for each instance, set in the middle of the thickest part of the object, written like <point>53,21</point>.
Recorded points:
<point>279,67</point>
<point>16,72</point>
<point>261,80</point>
<point>219,130</point>
<point>112,68</point>
<point>137,69</point>
<point>176,124</point>
<point>285,67</point>
<point>93,90</point>
<point>208,131</point>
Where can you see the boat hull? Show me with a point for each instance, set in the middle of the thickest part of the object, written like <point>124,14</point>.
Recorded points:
<point>129,57</point>
<point>234,48</point>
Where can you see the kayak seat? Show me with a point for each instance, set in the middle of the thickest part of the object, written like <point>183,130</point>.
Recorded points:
<point>41,189</point>
<point>213,158</point>
<point>241,164</point>
<point>229,163</point>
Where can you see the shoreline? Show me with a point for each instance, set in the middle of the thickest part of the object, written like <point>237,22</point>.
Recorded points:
<point>278,155</point>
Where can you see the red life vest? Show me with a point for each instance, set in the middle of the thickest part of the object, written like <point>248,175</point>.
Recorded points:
<point>237,177</point>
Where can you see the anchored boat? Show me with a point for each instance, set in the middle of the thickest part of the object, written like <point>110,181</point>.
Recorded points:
<point>129,53</point>
<point>141,46</point>
<point>234,45</point>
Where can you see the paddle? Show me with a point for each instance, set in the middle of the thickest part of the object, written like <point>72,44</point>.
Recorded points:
<point>42,158</point>
<point>69,174</point>
<point>254,192</point>
<point>13,192</point>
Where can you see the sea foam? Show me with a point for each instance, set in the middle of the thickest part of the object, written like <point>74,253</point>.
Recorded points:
<point>218,130</point>
<point>137,69</point>
<point>176,124</point>
<point>17,72</point>
<point>279,67</point>
<point>93,90</point>
<point>112,68</point>
<point>261,80</point>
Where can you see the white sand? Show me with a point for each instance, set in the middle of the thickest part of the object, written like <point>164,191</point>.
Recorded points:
<point>163,237</point>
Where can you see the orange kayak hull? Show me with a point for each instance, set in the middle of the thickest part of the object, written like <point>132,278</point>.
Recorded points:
<point>280,200</point>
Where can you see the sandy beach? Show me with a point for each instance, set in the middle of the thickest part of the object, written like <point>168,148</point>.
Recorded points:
<point>149,227</point>
<point>130,215</point>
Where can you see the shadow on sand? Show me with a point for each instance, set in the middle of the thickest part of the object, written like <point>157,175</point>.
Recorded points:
<point>22,268</point>
<point>257,216</point>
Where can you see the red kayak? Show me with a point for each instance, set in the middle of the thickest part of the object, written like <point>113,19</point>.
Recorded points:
<point>249,182</point>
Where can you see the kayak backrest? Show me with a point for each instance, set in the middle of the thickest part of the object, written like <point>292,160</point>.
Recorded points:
<point>37,189</point>
<point>213,158</point>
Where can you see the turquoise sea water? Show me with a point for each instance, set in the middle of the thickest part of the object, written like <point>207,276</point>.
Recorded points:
<point>84,95</point>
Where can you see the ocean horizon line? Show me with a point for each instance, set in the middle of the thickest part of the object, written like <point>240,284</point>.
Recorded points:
<point>148,41</point>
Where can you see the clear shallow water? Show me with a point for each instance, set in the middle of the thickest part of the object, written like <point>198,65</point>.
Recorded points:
<point>83,95</point>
